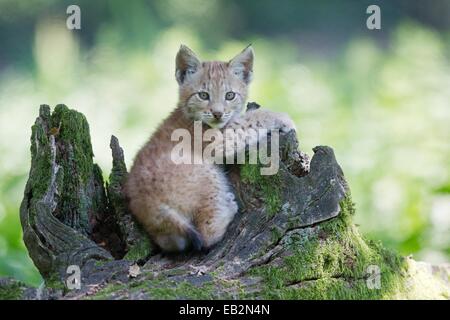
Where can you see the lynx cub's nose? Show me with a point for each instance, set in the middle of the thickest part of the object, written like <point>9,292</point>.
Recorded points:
<point>217,115</point>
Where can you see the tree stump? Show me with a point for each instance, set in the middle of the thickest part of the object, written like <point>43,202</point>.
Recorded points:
<point>293,237</point>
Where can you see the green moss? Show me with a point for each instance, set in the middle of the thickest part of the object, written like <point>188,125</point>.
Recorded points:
<point>332,261</point>
<point>107,292</point>
<point>183,290</point>
<point>11,291</point>
<point>54,282</point>
<point>73,130</point>
<point>268,187</point>
<point>41,159</point>
<point>78,176</point>
<point>140,250</point>
<point>159,289</point>
<point>167,286</point>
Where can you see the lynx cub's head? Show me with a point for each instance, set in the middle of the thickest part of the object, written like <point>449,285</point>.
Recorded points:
<point>213,91</point>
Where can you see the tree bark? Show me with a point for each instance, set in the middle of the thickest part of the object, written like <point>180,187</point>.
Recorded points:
<point>293,237</point>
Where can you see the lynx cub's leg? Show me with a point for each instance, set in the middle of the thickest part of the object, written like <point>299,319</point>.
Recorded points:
<point>264,119</point>
<point>182,234</point>
<point>248,124</point>
<point>169,227</point>
<point>186,206</point>
<point>217,210</point>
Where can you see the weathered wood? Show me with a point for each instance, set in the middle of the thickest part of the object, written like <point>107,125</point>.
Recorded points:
<point>292,238</point>
<point>137,245</point>
<point>64,197</point>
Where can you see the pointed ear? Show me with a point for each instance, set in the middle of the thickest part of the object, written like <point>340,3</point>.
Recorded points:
<point>186,63</point>
<point>242,64</point>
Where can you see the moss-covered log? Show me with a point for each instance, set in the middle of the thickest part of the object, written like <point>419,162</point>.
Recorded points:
<point>293,237</point>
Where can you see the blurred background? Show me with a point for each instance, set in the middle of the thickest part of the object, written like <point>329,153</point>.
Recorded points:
<point>380,98</point>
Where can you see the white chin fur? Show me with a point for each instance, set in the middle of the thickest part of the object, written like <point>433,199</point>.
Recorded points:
<point>216,125</point>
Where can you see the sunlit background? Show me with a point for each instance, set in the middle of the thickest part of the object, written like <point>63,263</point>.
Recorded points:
<point>380,98</point>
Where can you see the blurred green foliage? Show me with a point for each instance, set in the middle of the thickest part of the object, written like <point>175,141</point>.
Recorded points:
<point>381,99</point>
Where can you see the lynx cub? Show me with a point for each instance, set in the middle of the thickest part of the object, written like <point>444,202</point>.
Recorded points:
<point>191,205</point>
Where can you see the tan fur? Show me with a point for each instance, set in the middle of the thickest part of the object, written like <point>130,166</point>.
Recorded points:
<point>178,202</point>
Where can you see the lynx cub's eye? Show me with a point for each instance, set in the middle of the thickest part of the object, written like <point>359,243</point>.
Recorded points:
<point>230,95</point>
<point>203,95</point>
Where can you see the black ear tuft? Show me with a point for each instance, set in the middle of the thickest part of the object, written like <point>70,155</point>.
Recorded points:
<point>252,106</point>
